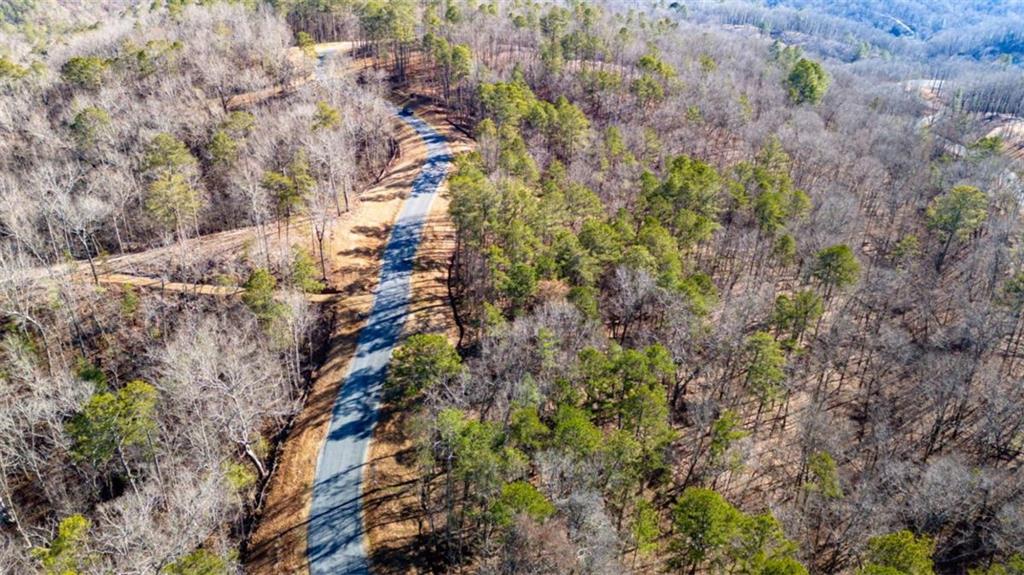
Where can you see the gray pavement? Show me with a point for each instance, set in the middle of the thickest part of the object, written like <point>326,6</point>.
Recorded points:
<point>335,532</point>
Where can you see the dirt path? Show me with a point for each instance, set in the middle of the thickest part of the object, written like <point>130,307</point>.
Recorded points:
<point>144,282</point>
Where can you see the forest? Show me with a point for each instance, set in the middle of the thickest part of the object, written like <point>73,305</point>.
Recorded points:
<point>979,43</point>
<point>730,291</point>
<point>138,431</point>
<point>979,29</point>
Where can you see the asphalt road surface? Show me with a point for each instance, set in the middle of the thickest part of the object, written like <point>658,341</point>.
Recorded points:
<point>335,531</point>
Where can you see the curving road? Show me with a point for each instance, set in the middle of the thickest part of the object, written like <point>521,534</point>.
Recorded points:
<point>335,531</point>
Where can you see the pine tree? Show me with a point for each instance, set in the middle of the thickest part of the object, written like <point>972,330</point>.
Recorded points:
<point>956,215</point>
<point>835,267</point>
<point>899,553</point>
<point>67,553</point>
<point>172,200</point>
<point>807,82</point>
<point>422,361</point>
<point>113,421</point>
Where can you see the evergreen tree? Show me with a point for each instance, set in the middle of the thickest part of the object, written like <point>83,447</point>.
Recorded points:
<point>306,43</point>
<point>67,553</point>
<point>725,432</point>
<point>956,215</point>
<point>303,272</point>
<point>223,149</point>
<point>824,478</point>
<point>198,562</point>
<point>807,82</point>
<point>704,526</point>
<point>899,553</point>
<point>645,528</point>
<point>421,362</point>
<point>835,267</point>
<point>765,367</point>
<point>794,314</point>
<point>520,497</point>
<point>575,432</point>
<point>709,533</point>
<point>172,199</point>
<point>87,126</point>
<point>290,187</point>
<point>686,200</point>
<point>113,421</point>
<point>326,117</point>
<point>85,71</point>
<point>259,296</point>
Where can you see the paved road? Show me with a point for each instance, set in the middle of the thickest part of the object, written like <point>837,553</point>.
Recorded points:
<point>335,531</point>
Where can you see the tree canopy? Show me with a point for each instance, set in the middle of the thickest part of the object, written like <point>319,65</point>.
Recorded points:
<point>422,361</point>
<point>808,82</point>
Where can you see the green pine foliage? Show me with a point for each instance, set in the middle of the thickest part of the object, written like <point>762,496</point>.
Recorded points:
<point>836,267</point>
<point>520,497</point>
<point>88,126</point>
<point>808,82</point>
<point>259,296</point>
<point>710,533</point>
<point>112,422</point>
<point>899,553</point>
<point>421,362</point>
<point>11,70</point>
<point>199,562</point>
<point>765,368</point>
<point>1012,566</point>
<point>303,273</point>
<point>68,553</point>
<point>824,478</point>
<point>85,71</point>
<point>172,200</point>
